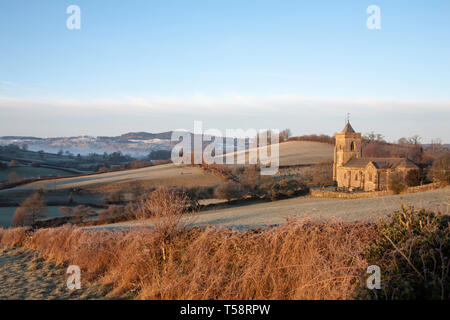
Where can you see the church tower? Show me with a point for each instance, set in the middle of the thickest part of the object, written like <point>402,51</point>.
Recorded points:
<point>348,146</point>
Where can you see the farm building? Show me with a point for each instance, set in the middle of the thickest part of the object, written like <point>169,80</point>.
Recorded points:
<point>352,171</point>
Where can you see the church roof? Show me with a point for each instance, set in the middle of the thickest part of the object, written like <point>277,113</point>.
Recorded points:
<point>348,128</point>
<point>381,163</point>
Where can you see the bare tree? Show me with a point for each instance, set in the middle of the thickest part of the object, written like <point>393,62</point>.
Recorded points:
<point>436,146</point>
<point>30,210</point>
<point>373,137</point>
<point>229,190</point>
<point>284,135</point>
<point>415,139</point>
<point>249,177</point>
<point>440,170</point>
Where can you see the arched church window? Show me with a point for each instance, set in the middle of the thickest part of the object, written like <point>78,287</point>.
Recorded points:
<point>352,146</point>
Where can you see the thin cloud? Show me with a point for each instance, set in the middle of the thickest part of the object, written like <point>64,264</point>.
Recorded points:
<point>392,117</point>
<point>231,103</point>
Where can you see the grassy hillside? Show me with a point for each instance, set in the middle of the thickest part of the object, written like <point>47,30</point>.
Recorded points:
<point>264,214</point>
<point>168,174</point>
<point>298,152</point>
<point>32,172</point>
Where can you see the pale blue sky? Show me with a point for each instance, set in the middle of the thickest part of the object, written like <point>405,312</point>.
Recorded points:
<point>159,65</point>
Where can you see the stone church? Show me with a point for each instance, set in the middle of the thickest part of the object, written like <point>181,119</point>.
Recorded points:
<point>352,171</point>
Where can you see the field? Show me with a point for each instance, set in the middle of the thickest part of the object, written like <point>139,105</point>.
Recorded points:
<point>299,152</point>
<point>92,188</point>
<point>167,174</point>
<point>32,172</point>
<point>318,254</point>
<point>7,213</point>
<point>275,213</point>
<point>297,260</point>
<point>24,276</point>
<point>291,153</point>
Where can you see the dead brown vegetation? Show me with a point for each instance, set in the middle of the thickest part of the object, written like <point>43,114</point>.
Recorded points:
<point>165,207</point>
<point>78,213</point>
<point>298,260</point>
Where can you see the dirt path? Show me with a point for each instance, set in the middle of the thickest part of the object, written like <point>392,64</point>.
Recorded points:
<point>276,212</point>
<point>24,276</point>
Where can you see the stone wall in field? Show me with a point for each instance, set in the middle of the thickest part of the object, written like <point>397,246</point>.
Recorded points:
<point>371,194</point>
<point>345,195</point>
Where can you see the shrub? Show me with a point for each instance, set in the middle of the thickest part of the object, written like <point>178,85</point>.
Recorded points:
<point>229,190</point>
<point>396,182</point>
<point>199,193</point>
<point>306,176</point>
<point>78,213</point>
<point>285,188</point>
<point>249,177</point>
<point>194,194</point>
<point>165,207</point>
<point>116,197</point>
<point>414,178</point>
<point>137,190</point>
<point>112,212</point>
<point>413,251</point>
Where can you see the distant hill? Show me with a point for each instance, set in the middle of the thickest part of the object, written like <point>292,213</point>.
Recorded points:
<point>144,136</point>
<point>136,144</point>
<point>19,138</point>
<point>133,143</point>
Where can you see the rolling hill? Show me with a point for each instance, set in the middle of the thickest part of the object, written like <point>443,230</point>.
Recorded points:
<point>293,153</point>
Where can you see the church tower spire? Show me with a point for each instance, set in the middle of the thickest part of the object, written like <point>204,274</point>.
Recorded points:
<point>348,146</point>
